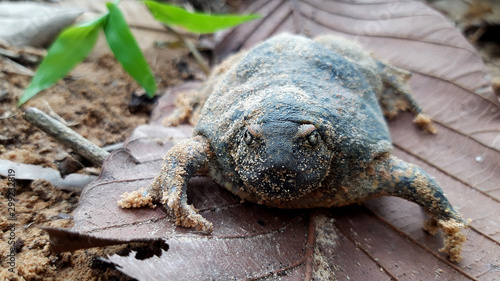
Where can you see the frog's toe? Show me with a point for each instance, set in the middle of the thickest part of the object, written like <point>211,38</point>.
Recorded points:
<point>453,236</point>
<point>136,199</point>
<point>425,123</point>
<point>196,221</point>
<point>186,215</point>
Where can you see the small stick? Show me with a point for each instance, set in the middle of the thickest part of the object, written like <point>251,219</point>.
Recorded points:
<point>196,54</point>
<point>65,135</point>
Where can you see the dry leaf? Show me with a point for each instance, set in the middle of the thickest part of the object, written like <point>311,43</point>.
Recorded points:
<point>33,24</point>
<point>379,240</point>
<point>33,172</point>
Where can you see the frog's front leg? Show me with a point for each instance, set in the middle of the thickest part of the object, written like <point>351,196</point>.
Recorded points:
<point>169,187</point>
<point>395,177</point>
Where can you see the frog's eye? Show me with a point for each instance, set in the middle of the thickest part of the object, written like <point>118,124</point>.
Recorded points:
<point>313,138</point>
<point>247,137</point>
<point>251,133</point>
<point>309,133</point>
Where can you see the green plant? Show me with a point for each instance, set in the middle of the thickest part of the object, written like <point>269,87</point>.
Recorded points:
<point>75,43</point>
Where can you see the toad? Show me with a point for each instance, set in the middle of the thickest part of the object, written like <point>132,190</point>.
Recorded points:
<point>299,123</point>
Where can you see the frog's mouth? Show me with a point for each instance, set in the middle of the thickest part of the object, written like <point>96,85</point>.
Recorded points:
<point>280,160</point>
<point>281,184</point>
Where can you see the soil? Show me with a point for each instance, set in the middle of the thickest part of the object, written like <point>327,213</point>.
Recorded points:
<point>95,101</point>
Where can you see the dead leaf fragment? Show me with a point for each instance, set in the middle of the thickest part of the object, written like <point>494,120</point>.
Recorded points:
<point>34,172</point>
<point>33,24</point>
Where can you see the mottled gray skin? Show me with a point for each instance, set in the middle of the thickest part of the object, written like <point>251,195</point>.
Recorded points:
<point>297,123</point>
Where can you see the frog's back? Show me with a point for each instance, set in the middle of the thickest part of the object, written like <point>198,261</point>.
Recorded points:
<point>292,78</point>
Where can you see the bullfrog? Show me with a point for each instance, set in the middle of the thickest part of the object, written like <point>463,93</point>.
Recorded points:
<point>296,122</point>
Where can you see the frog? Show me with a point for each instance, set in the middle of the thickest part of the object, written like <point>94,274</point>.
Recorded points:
<point>298,122</point>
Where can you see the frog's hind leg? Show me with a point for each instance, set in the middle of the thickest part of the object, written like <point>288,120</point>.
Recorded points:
<point>395,177</point>
<point>189,103</point>
<point>389,83</point>
<point>395,96</point>
<point>187,108</point>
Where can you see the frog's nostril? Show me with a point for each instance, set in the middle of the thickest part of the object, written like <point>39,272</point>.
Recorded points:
<point>285,174</point>
<point>280,183</point>
<point>281,176</point>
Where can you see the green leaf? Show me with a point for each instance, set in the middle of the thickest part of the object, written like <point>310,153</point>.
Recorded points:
<point>69,49</point>
<point>195,22</point>
<point>127,51</point>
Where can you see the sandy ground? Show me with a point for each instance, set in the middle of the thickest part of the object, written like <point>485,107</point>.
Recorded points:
<point>95,101</point>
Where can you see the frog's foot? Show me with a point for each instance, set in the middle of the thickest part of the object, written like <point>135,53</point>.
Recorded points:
<point>180,163</point>
<point>184,214</point>
<point>425,123</point>
<point>396,96</point>
<point>169,187</point>
<point>185,105</point>
<point>453,236</point>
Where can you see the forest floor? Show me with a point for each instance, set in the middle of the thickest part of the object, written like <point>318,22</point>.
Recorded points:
<point>95,100</point>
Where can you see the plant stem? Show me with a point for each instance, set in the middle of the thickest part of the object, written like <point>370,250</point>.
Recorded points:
<point>65,135</point>
<point>196,54</point>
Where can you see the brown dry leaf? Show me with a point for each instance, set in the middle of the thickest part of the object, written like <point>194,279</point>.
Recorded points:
<point>379,240</point>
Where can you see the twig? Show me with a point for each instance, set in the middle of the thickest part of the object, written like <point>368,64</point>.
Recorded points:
<point>196,54</point>
<point>16,67</point>
<point>65,135</point>
<point>54,115</point>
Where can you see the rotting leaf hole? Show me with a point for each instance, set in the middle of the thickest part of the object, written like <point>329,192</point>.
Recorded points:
<point>145,250</point>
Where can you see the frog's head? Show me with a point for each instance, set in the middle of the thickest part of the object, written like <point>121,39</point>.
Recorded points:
<point>281,160</point>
